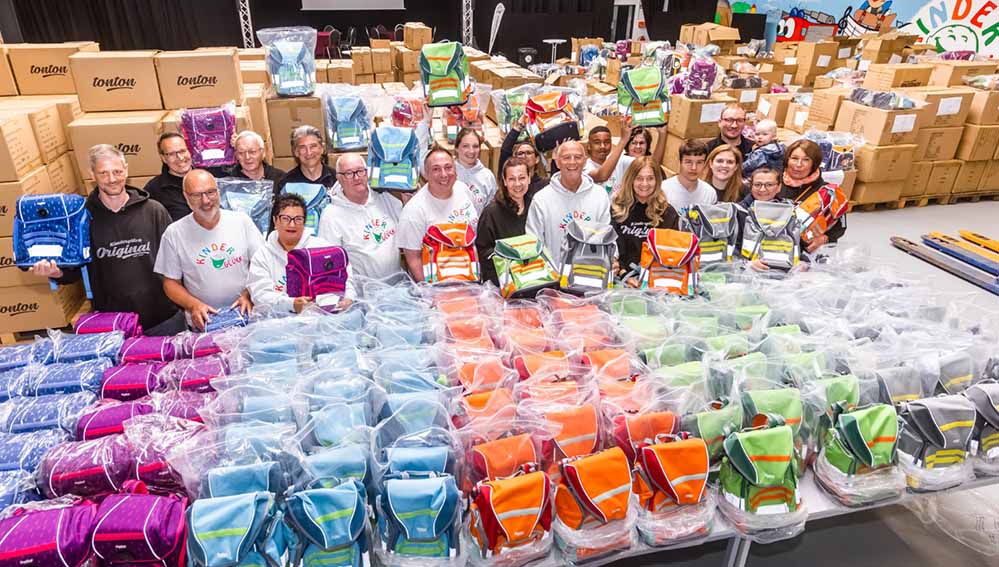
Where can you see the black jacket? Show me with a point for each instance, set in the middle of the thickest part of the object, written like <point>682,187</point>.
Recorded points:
<point>271,173</point>
<point>168,190</point>
<point>506,152</point>
<point>498,221</point>
<point>631,233</point>
<point>124,247</point>
<point>328,178</point>
<point>744,147</point>
<point>797,194</point>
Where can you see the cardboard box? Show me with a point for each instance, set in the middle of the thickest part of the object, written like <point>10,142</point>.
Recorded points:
<point>884,163</point>
<point>341,71</point>
<point>849,182</point>
<point>885,77</point>
<point>814,58</point>
<point>35,182</point>
<point>62,175</point>
<point>848,46</point>
<point>197,79</point>
<point>883,192</point>
<point>134,133</point>
<point>978,143</point>
<point>286,114</point>
<point>826,103</point>
<point>944,176</point>
<point>384,77</point>
<point>284,163</point>
<point>984,108</point>
<point>116,80</point>
<point>408,60</point>
<point>43,68</point>
<point>363,79</point>
<point>722,36</point>
<point>691,118</point>
<point>255,101</point>
<point>990,179</point>
<point>797,117</point>
<point>322,68</point>
<point>10,274</point>
<point>254,72</point>
<point>774,107</point>
<point>416,34</point>
<point>410,79</point>
<point>748,99</point>
<point>363,65</point>
<point>878,127</point>
<point>139,182</point>
<point>8,85</point>
<point>252,53</point>
<point>671,157</point>
<point>46,124</point>
<point>969,177</point>
<point>19,153</point>
<point>67,105</point>
<point>944,106</point>
<point>576,45</point>
<point>37,307</point>
<point>938,143</point>
<point>919,177</point>
<point>381,60</point>
<point>951,73</point>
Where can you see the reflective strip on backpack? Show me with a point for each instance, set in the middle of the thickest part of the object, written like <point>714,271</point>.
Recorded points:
<point>648,115</point>
<point>50,250</point>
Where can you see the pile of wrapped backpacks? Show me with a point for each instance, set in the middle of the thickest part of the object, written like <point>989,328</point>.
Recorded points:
<point>442,425</point>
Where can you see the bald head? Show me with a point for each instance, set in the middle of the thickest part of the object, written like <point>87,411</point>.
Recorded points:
<point>570,145</point>
<point>202,194</point>
<point>352,175</point>
<point>349,162</point>
<point>198,179</point>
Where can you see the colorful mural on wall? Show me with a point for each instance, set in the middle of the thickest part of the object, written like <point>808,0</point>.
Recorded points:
<point>948,24</point>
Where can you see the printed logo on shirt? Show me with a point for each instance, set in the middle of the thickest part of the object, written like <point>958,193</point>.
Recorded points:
<point>377,229</point>
<point>573,216</point>
<point>463,214</point>
<point>638,229</point>
<point>124,249</point>
<point>478,193</point>
<point>281,283</point>
<point>220,256</point>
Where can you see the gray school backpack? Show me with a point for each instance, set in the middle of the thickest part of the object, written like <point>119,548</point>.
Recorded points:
<point>717,229</point>
<point>771,234</point>
<point>588,257</point>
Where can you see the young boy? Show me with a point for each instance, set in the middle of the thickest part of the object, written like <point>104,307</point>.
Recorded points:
<point>767,150</point>
<point>686,188</point>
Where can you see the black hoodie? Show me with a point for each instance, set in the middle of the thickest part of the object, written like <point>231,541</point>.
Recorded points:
<point>124,247</point>
<point>498,220</point>
<point>168,190</point>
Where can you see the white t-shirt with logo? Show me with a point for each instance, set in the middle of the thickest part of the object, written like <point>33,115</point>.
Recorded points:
<point>212,264</point>
<point>367,232</point>
<point>613,182</point>
<point>424,210</point>
<point>681,199</point>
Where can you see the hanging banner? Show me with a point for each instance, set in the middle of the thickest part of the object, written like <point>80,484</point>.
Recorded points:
<point>353,5</point>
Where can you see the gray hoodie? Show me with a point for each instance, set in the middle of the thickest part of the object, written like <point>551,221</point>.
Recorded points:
<point>266,279</point>
<point>554,207</point>
<point>481,182</point>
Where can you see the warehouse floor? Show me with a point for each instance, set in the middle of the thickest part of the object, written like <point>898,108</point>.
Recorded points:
<point>893,536</point>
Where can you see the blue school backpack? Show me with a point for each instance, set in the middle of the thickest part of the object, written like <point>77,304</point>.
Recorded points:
<point>316,198</point>
<point>251,196</point>
<point>291,59</point>
<point>347,122</point>
<point>393,157</point>
<point>53,227</point>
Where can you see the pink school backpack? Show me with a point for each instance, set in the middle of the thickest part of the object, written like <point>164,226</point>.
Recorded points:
<point>314,272</point>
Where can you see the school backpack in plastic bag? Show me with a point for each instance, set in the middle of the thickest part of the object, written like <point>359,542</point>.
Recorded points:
<point>52,536</point>
<point>255,197</point>
<point>291,59</point>
<point>551,120</point>
<point>471,114</point>
<point>419,514</point>
<point>671,481</point>
<point>935,441</point>
<point>207,132</point>
<point>771,234</point>
<point>524,266</point>
<point>512,516</point>
<point>449,254</point>
<point>393,159</point>
<point>587,257</point>
<point>105,322</point>
<point>510,105</point>
<point>331,523</point>
<point>670,262</point>
<point>54,227</point>
<point>348,122</point>
<point>821,211</point>
<point>317,273</point>
<point>120,539</point>
<point>444,74</point>
<point>642,95</point>
<point>316,198</point>
<point>717,230</point>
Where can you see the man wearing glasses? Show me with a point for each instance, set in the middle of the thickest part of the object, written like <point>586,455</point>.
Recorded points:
<point>733,120</point>
<point>166,188</point>
<point>204,258</point>
<point>250,162</point>
<point>125,234</point>
<point>362,221</point>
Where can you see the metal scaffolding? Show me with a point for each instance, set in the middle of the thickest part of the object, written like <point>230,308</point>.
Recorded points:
<point>466,22</point>
<point>245,22</point>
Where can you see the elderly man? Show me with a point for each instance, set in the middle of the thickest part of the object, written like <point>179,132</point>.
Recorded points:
<point>362,221</point>
<point>250,162</point>
<point>733,120</point>
<point>569,196</point>
<point>443,199</point>
<point>124,239</point>
<point>308,149</point>
<point>166,187</point>
<point>205,257</point>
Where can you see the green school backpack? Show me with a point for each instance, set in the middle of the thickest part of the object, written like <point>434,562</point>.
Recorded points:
<point>642,95</point>
<point>523,266</point>
<point>444,73</point>
<point>861,447</point>
<point>757,476</point>
<point>713,424</point>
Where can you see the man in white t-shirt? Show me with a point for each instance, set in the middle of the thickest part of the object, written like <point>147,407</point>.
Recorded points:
<point>204,257</point>
<point>686,187</point>
<point>569,196</point>
<point>443,199</point>
<point>610,171</point>
<point>362,221</point>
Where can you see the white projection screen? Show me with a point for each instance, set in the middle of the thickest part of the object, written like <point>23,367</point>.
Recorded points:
<point>353,5</point>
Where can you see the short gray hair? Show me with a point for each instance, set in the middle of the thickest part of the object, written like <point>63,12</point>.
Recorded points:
<point>301,132</point>
<point>104,151</point>
<point>251,135</point>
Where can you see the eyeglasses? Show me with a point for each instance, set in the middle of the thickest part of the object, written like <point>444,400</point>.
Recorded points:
<point>524,153</point>
<point>211,194</point>
<point>355,174</point>
<point>287,219</point>
<point>733,120</point>
<point>175,155</point>
<point>765,185</point>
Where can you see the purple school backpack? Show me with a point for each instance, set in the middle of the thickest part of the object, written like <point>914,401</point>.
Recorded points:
<point>132,381</point>
<point>54,536</point>
<point>85,468</point>
<point>126,322</point>
<point>196,345</point>
<point>149,349</point>
<point>151,438</point>
<point>141,529</point>
<point>195,374</point>
<point>207,132</point>
<point>313,272</point>
<point>108,418</point>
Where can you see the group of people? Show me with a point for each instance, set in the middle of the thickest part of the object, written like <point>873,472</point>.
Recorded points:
<point>170,253</point>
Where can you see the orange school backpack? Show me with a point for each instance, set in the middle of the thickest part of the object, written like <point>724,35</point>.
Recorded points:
<point>449,254</point>
<point>511,513</point>
<point>670,261</point>
<point>820,211</point>
<point>551,120</point>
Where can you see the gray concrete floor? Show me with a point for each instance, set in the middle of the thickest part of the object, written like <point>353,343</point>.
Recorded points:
<point>893,536</point>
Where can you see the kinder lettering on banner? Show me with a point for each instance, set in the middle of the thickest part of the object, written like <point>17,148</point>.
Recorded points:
<point>197,81</point>
<point>958,25</point>
<point>49,70</point>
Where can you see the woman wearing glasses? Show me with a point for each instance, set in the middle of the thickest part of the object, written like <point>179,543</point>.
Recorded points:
<point>266,280</point>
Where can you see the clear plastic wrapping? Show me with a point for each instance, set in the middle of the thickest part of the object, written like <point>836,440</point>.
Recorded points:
<point>254,197</point>
<point>577,547</point>
<point>208,133</point>
<point>75,348</point>
<point>677,524</point>
<point>291,59</point>
<point>764,528</point>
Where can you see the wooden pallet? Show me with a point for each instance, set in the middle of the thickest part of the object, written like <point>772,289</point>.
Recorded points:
<point>870,207</point>
<point>923,200</point>
<point>974,197</point>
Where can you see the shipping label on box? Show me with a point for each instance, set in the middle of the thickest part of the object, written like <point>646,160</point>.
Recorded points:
<point>199,79</point>
<point>878,127</point>
<point>34,183</point>
<point>134,133</point>
<point>286,114</point>
<point>116,80</point>
<point>43,68</point>
<point>696,118</point>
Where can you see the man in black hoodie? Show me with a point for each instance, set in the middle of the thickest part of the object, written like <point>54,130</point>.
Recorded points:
<point>125,233</point>
<point>167,187</point>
